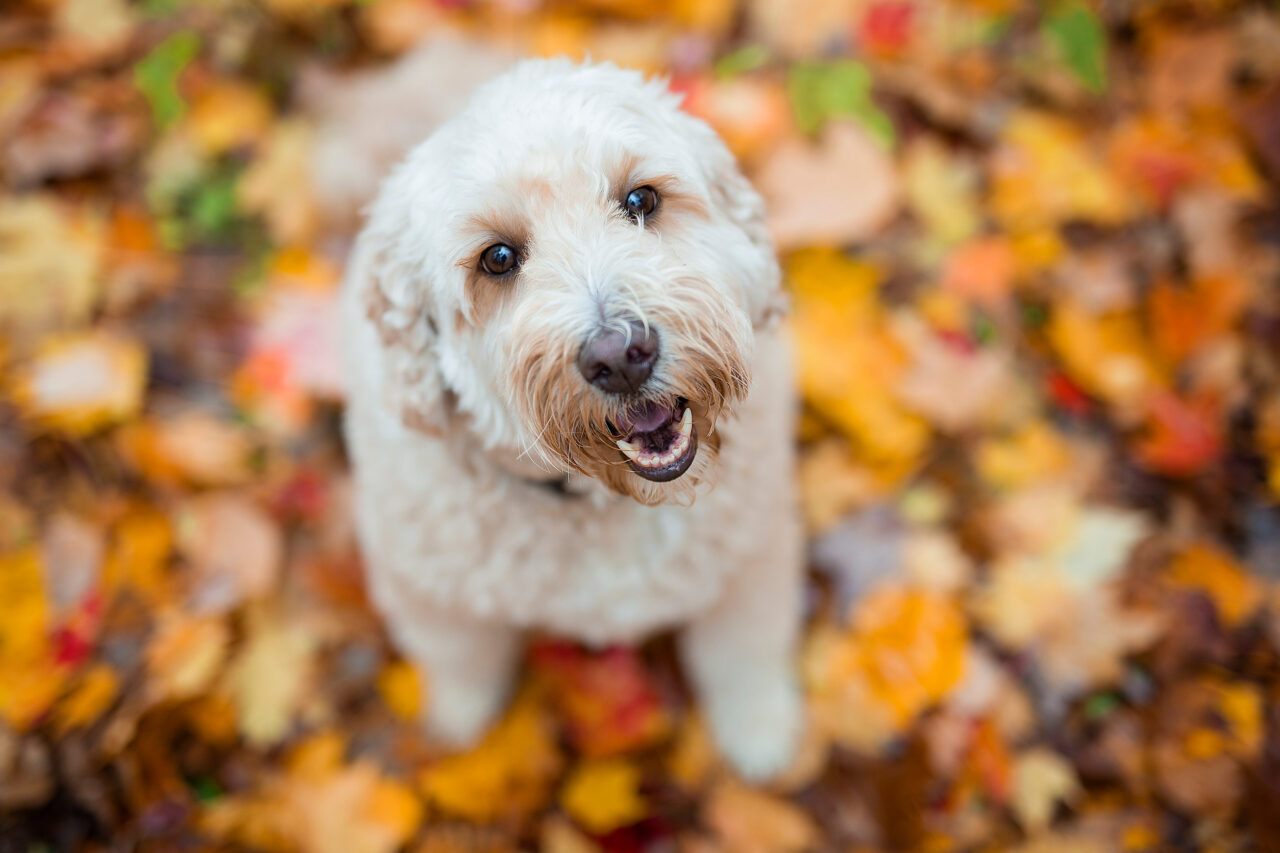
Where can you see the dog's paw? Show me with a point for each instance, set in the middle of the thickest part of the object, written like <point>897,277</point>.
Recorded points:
<point>458,715</point>
<point>758,731</point>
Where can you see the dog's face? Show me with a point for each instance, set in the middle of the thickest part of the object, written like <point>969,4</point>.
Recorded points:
<point>574,269</point>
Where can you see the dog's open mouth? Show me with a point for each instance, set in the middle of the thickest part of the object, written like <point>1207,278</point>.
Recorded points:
<point>658,440</point>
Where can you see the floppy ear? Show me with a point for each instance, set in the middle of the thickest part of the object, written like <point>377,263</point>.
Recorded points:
<point>398,304</point>
<point>733,194</point>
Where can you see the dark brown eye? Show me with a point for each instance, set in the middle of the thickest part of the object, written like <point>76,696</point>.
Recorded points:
<point>641,201</point>
<point>499,259</point>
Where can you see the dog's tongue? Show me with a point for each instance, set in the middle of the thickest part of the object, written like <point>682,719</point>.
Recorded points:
<point>646,418</point>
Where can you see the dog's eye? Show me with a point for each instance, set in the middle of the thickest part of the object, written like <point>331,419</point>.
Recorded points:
<point>641,201</point>
<point>499,259</point>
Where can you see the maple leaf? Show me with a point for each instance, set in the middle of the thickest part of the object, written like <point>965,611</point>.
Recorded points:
<point>81,383</point>
<point>1183,437</point>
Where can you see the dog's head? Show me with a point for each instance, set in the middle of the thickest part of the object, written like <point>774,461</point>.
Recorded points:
<point>573,269</point>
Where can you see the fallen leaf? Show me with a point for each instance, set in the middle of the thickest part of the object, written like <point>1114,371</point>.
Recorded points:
<point>401,687</point>
<point>509,775</point>
<point>1041,780</point>
<point>841,190</point>
<point>82,383</point>
<point>751,821</point>
<point>904,650</point>
<point>607,698</point>
<point>603,795</point>
<point>1045,172</point>
<point>319,805</point>
<point>235,548</point>
<point>185,654</point>
<point>60,247</point>
<point>95,690</point>
<point>1236,595</point>
<point>270,676</point>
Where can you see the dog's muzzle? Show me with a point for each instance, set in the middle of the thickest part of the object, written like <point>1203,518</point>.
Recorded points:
<point>659,441</point>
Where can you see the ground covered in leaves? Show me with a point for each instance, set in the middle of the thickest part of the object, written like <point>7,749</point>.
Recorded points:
<point>1034,253</point>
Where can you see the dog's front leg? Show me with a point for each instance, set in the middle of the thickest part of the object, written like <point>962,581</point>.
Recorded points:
<point>741,658</point>
<point>468,666</point>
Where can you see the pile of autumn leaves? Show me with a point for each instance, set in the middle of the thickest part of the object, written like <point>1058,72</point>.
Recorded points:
<point>1040,456</point>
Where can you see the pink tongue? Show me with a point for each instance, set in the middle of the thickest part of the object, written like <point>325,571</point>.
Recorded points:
<point>646,419</point>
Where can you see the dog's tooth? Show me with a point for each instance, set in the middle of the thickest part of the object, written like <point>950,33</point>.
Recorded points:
<point>629,449</point>
<point>686,423</point>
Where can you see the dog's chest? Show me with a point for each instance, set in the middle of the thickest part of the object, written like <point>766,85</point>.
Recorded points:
<point>601,571</point>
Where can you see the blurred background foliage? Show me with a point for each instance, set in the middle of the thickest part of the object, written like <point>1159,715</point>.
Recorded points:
<point>1033,250</point>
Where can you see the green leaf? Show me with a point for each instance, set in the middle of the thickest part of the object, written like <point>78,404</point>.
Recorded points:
<point>1081,40</point>
<point>822,91</point>
<point>742,60</point>
<point>156,76</point>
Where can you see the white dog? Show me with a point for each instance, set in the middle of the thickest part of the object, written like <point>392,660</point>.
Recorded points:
<point>560,325</point>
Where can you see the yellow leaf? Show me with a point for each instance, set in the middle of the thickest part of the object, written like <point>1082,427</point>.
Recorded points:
<point>278,184</point>
<point>81,383</point>
<point>832,484</point>
<point>942,191</point>
<point>1240,704</point>
<point>269,678</point>
<point>1107,354</point>
<point>228,115</point>
<point>508,775</point>
<point>1041,780</point>
<point>904,651</point>
<point>61,250</point>
<point>320,805</point>
<point>1045,173</point>
<point>185,654</point>
<point>1033,453</point>
<point>693,756</point>
<point>138,556</point>
<point>97,689</point>
<point>603,795</point>
<point>192,447</point>
<point>26,623</point>
<point>848,361</point>
<point>402,689</point>
<point>1235,594</point>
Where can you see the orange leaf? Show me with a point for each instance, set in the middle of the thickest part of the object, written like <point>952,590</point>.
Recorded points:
<point>1184,437</point>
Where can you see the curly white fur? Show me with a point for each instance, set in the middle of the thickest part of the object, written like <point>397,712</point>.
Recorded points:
<point>464,394</point>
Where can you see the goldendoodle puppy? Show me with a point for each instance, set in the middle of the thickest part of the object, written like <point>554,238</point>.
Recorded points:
<point>570,407</point>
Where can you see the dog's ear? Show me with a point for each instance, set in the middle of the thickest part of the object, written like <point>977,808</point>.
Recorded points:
<point>398,304</point>
<point>733,194</point>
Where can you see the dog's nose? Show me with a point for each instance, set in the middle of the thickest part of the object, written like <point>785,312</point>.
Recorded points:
<point>616,362</point>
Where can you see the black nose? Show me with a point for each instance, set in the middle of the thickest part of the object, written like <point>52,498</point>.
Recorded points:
<point>616,362</point>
